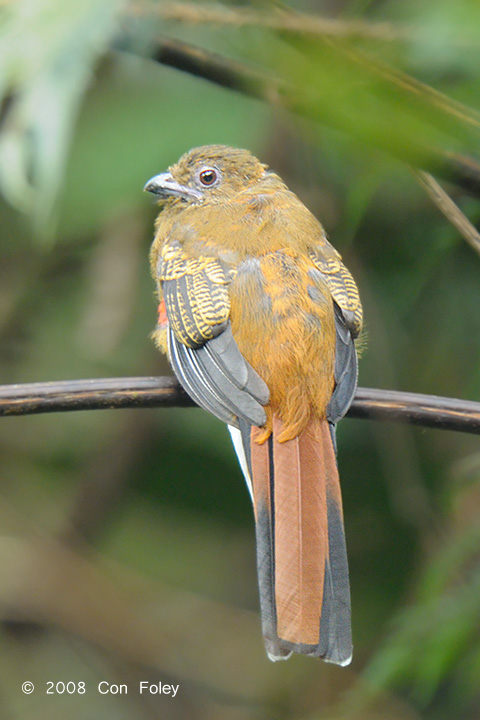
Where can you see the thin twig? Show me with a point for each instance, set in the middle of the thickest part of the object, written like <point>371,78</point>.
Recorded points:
<point>150,392</point>
<point>452,212</point>
<point>280,19</point>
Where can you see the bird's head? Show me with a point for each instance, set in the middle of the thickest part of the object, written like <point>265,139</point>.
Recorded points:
<point>208,173</point>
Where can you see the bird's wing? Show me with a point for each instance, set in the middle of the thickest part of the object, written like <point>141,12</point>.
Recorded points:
<point>345,372</point>
<point>341,284</point>
<point>329,270</point>
<point>202,350</point>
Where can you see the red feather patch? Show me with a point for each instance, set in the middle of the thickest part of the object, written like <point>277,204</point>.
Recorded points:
<point>162,314</point>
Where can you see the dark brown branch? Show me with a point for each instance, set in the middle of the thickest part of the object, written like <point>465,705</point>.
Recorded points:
<point>150,392</point>
<point>417,409</point>
<point>96,394</point>
<point>464,171</point>
<point>216,68</point>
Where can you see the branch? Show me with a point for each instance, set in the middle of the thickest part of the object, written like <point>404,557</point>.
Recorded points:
<point>151,392</point>
<point>220,70</point>
<point>96,394</point>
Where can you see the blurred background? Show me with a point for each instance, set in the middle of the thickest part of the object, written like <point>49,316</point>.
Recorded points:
<point>127,541</point>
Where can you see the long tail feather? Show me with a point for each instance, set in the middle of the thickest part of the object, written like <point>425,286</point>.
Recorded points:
<point>335,627</point>
<point>301,552</point>
<point>300,535</point>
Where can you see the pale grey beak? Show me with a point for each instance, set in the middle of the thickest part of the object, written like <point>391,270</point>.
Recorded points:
<point>165,186</point>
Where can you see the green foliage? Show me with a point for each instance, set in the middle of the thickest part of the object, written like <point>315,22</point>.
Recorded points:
<point>49,51</point>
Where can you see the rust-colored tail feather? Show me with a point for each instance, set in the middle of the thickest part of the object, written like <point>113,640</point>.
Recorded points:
<point>301,554</point>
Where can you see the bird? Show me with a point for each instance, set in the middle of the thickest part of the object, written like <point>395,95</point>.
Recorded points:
<point>260,318</point>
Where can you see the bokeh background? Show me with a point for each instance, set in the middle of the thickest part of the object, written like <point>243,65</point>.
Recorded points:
<point>127,542</point>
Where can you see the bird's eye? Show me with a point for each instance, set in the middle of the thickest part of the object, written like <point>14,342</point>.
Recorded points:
<point>208,176</point>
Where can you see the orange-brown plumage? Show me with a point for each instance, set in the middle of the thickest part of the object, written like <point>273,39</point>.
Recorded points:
<point>285,340</point>
<point>262,315</point>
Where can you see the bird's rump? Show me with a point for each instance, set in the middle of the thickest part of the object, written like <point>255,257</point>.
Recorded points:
<point>288,337</point>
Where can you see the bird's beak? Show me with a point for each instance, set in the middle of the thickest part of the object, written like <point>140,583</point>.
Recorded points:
<point>165,186</point>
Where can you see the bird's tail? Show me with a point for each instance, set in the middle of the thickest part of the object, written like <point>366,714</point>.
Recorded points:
<point>301,552</point>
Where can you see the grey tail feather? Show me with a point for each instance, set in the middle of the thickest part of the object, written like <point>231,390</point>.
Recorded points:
<point>335,625</point>
<point>265,542</point>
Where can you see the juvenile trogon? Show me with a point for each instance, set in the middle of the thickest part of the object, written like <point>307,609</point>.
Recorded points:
<point>259,316</point>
